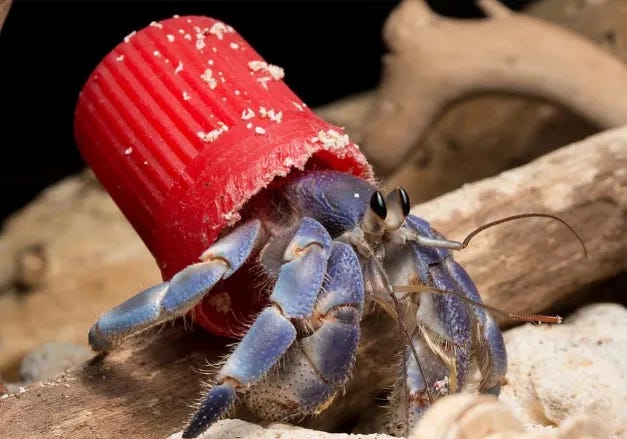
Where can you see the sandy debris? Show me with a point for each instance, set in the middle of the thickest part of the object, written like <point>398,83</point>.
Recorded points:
<point>331,139</point>
<point>179,68</point>
<point>212,135</point>
<point>129,36</point>
<point>208,78</point>
<point>248,114</point>
<point>219,29</point>
<point>275,116</point>
<point>275,72</point>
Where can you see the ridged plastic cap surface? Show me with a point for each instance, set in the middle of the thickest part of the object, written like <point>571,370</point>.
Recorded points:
<point>183,122</point>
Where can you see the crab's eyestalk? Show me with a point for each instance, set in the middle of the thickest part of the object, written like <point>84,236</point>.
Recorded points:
<point>397,203</point>
<point>374,218</point>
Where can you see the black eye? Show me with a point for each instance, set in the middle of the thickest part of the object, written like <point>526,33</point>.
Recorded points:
<point>377,204</point>
<point>404,201</point>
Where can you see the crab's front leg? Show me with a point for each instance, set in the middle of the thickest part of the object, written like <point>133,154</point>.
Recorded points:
<point>294,295</point>
<point>318,364</point>
<point>176,297</point>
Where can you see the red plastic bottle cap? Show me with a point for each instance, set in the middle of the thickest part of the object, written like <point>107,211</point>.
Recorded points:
<point>183,123</point>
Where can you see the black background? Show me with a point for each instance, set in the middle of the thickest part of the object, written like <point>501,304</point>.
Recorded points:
<point>48,48</point>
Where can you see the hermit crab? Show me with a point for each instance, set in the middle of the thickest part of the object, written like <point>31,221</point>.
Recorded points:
<point>254,206</point>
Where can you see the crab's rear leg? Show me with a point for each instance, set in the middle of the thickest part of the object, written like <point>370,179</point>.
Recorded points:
<point>442,341</point>
<point>176,297</point>
<point>487,339</point>
<point>293,297</point>
<point>415,385</point>
<point>449,331</point>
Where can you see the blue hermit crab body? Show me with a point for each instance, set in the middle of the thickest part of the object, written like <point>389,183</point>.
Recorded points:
<point>326,243</point>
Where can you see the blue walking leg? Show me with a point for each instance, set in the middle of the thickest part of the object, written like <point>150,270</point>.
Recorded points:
<point>443,338</point>
<point>448,316</point>
<point>415,384</point>
<point>487,336</point>
<point>318,365</point>
<point>176,297</point>
<point>298,284</point>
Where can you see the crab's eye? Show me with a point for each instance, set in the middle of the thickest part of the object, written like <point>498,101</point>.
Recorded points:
<point>404,200</point>
<point>398,208</point>
<point>377,204</point>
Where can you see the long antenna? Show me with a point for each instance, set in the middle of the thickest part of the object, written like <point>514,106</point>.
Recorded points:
<point>479,229</point>
<point>522,317</point>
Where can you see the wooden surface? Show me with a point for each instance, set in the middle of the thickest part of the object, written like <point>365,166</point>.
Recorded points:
<point>532,264</point>
<point>435,61</point>
<point>145,389</point>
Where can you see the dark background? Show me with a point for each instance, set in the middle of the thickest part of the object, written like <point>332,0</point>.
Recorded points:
<point>48,48</point>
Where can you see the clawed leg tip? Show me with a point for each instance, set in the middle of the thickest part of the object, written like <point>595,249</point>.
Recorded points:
<point>189,433</point>
<point>97,342</point>
<point>97,359</point>
<point>218,401</point>
<point>495,390</point>
<point>195,428</point>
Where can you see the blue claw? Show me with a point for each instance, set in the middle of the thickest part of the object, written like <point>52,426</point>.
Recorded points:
<point>332,348</point>
<point>218,401</point>
<point>294,293</point>
<point>345,283</point>
<point>120,321</point>
<point>187,287</point>
<point>235,247</point>
<point>175,298</point>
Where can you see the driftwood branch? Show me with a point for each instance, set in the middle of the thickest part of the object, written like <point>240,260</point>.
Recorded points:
<point>145,389</point>
<point>436,61</point>
<point>5,5</point>
<point>531,265</point>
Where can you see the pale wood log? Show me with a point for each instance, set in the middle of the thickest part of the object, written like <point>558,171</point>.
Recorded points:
<point>5,5</point>
<point>436,61</point>
<point>532,264</point>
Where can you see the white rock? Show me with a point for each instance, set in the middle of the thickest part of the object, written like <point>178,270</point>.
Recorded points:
<point>556,372</point>
<point>235,428</point>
